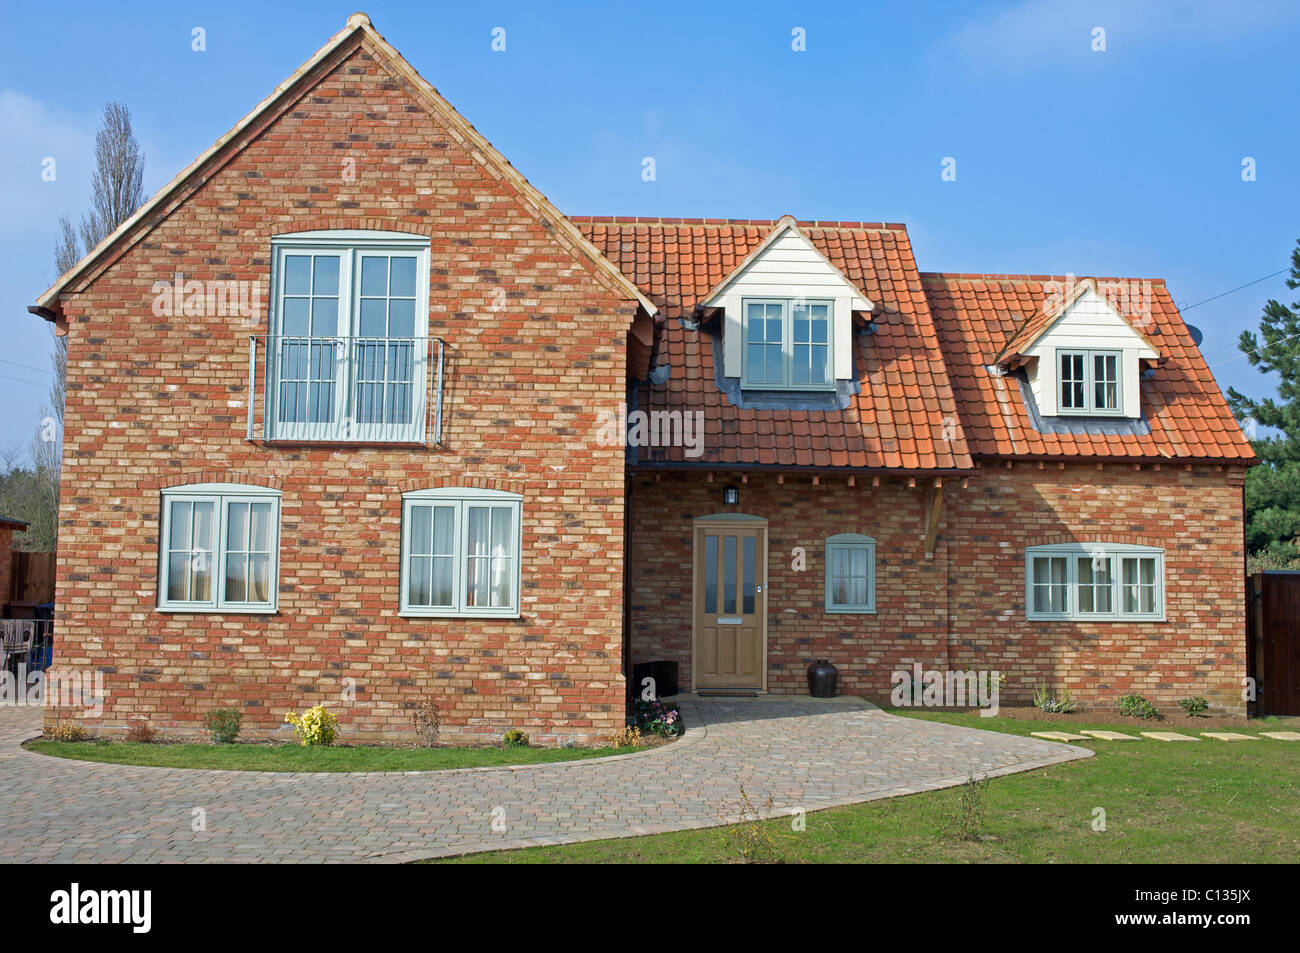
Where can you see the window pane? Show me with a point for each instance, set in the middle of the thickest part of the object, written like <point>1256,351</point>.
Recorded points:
<point>325,277</point>
<point>201,577</point>
<point>374,318</point>
<point>297,274</point>
<point>237,527</point>
<point>476,582</point>
<point>294,321</point>
<point>821,324</point>
<point>773,374</point>
<point>502,581</point>
<point>819,375</point>
<point>180,525</point>
<point>478,530</point>
<point>203,528</point>
<point>178,577</point>
<point>728,575</point>
<point>236,572</point>
<point>401,318</point>
<point>710,574</point>
<point>421,535</point>
<point>444,542</point>
<point>324,317</point>
<point>403,277</point>
<point>442,572</point>
<point>260,537</point>
<point>501,525</point>
<point>374,275</point>
<point>259,578</point>
<point>417,582</point>
<point>748,582</point>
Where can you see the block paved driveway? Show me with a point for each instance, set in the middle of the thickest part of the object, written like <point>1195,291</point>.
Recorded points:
<point>804,752</point>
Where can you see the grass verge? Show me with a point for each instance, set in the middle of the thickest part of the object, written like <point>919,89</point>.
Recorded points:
<point>1168,803</point>
<point>252,757</point>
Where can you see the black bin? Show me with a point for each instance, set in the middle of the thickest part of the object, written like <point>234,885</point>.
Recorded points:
<point>663,672</point>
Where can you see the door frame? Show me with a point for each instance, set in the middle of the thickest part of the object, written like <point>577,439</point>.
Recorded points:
<point>722,521</point>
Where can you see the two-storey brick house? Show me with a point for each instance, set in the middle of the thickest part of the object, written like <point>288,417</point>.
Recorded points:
<point>337,430</point>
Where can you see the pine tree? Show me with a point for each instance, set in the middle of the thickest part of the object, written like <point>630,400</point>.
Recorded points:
<point>1273,487</point>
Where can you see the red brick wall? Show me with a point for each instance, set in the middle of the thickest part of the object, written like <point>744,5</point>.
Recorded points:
<point>1195,516</point>
<point>965,609</point>
<point>909,619</point>
<point>161,401</point>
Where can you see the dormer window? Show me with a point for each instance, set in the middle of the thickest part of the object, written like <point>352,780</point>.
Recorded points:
<point>787,343</point>
<point>1089,382</point>
<point>787,316</point>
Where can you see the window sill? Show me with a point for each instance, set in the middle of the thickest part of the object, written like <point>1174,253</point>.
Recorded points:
<point>1095,618</point>
<point>849,611</point>
<point>350,444</point>
<point>449,614</point>
<point>216,610</point>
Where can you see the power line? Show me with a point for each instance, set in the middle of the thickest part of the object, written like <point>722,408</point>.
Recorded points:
<point>1260,350</point>
<point>1232,290</point>
<point>30,367</point>
<point>21,381</point>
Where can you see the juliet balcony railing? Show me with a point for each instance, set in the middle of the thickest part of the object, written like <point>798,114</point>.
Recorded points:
<point>305,389</point>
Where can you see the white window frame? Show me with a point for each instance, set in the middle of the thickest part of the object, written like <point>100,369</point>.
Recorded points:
<point>461,499</point>
<point>1090,408</point>
<point>349,245</point>
<point>221,495</point>
<point>787,344</point>
<point>1116,553</point>
<point>852,542</point>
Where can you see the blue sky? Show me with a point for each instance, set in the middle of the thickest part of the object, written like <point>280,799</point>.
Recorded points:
<point>1123,162</point>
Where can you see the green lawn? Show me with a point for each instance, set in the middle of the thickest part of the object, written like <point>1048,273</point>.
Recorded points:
<point>248,757</point>
<point>1208,802</point>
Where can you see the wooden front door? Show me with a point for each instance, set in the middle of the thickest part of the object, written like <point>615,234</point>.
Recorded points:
<point>730,604</point>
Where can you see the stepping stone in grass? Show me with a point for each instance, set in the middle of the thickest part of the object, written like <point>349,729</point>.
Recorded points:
<point>1058,736</point>
<point>1282,735</point>
<point>1228,736</point>
<point>1108,735</point>
<point>1167,736</point>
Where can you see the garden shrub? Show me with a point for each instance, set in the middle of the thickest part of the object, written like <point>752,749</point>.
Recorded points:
<point>514,738</point>
<point>627,737</point>
<point>1050,702</point>
<point>68,732</point>
<point>141,733</point>
<point>427,721</point>
<point>1197,705</point>
<point>1136,706</point>
<point>223,725</point>
<point>315,726</point>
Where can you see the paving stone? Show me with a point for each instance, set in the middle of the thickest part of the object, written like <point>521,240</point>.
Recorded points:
<point>1108,735</point>
<point>1282,735</point>
<point>1167,736</point>
<point>801,753</point>
<point>1228,736</point>
<point>1058,736</point>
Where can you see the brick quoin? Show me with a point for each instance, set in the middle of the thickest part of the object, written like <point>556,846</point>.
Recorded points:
<point>155,402</point>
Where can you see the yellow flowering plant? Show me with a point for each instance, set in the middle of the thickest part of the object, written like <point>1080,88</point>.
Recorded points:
<point>315,726</point>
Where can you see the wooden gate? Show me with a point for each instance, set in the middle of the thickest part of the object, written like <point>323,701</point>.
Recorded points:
<point>1273,641</point>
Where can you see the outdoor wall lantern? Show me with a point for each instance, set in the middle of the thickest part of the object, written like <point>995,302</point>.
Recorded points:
<point>730,495</point>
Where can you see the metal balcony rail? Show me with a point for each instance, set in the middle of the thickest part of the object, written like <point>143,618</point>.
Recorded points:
<point>349,389</point>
